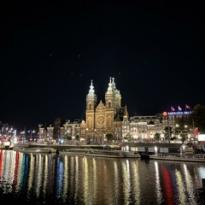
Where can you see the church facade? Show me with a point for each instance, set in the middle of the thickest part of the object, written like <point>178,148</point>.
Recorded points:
<point>103,118</point>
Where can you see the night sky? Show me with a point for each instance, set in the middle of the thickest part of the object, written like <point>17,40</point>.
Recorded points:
<point>50,52</point>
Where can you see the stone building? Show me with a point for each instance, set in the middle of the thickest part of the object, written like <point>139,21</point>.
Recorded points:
<point>71,130</point>
<point>103,118</point>
<point>142,127</point>
<point>67,131</point>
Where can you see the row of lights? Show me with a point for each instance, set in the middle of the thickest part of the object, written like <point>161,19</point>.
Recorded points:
<point>185,126</point>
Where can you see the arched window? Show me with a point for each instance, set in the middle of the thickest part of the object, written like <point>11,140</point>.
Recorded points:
<point>90,106</point>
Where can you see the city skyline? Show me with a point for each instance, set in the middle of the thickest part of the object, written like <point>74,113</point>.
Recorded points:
<point>102,103</point>
<point>99,97</point>
<point>48,58</point>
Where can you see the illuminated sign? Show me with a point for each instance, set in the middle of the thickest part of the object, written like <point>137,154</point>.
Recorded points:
<point>201,171</point>
<point>201,138</point>
<point>179,113</point>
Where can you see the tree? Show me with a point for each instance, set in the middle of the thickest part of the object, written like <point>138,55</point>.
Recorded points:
<point>68,137</point>
<point>128,137</point>
<point>168,133</point>
<point>157,136</point>
<point>77,137</point>
<point>184,136</point>
<point>178,130</point>
<point>173,138</point>
<point>109,137</point>
<point>198,117</point>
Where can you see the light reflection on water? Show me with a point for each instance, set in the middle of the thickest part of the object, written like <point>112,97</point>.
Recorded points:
<point>158,190</point>
<point>86,180</point>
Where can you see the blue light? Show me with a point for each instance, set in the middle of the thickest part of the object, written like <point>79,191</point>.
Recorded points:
<point>179,113</point>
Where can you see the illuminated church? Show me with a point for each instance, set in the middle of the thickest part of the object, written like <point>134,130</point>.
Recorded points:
<point>103,118</point>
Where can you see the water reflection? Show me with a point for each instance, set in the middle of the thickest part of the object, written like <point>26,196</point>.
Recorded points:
<point>65,177</point>
<point>189,185</point>
<point>31,173</point>
<point>59,177</point>
<point>45,177</point>
<point>126,180</point>
<point>157,183</point>
<point>181,191</point>
<point>82,180</point>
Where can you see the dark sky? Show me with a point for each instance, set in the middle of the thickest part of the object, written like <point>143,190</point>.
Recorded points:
<point>49,53</point>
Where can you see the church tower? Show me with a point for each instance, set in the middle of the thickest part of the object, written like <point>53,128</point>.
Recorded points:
<point>126,115</point>
<point>109,96</point>
<point>117,95</point>
<point>110,106</point>
<point>90,108</point>
<point>104,118</point>
<point>125,123</point>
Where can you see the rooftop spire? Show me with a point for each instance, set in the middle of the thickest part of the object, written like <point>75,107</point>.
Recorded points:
<point>109,90</point>
<point>113,83</point>
<point>125,111</point>
<point>91,90</point>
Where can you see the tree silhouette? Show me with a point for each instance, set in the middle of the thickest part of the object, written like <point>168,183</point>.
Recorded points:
<point>198,117</point>
<point>157,136</point>
<point>109,137</point>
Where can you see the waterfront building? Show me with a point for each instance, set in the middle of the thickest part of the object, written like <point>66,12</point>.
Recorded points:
<point>46,134</point>
<point>103,118</point>
<point>4,128</point>
<point>71,130</point>
<point>171,118</point>
<point>125,125</point>
<point>42,133</point>
<point>50,130</point>
<point>109,119</point>
<point>60,132</point>
<point>142,127</point>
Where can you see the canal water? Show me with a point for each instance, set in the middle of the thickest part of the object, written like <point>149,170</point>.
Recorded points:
<point>52,179</point>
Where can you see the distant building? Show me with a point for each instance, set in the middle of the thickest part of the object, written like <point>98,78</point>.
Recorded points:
<point>104,117</point>
<point>71,130</point>
<point>109,117</point>
<point>50,130</point>
<point>42,132</point>
<point>4,128</point>
<point>142,127</point>
<point>125,125</point>
<point>67,131</point>
<point>171,118</point>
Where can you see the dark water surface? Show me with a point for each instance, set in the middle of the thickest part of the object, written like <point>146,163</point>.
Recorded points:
<point>53,179</point>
